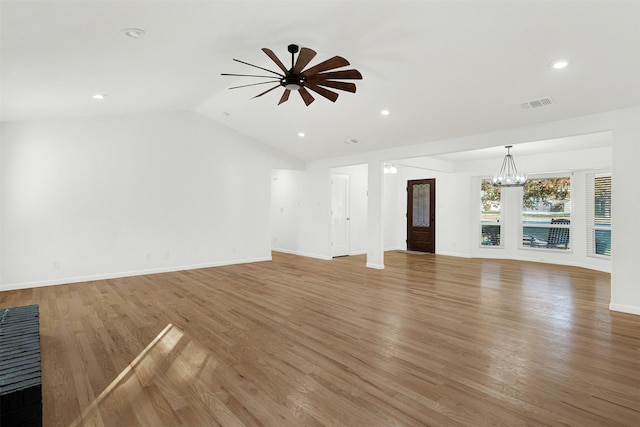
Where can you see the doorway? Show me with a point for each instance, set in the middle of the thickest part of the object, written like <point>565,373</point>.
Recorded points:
<point>340,219</point>
<point>421,215</point>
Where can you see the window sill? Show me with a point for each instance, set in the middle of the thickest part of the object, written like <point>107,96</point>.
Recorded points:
<point>603,257</point>
<point>548,250</point>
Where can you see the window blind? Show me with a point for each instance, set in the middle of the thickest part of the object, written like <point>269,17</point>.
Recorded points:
<point>599,214</point>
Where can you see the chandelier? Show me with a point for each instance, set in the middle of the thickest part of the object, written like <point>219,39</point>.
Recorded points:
<point>509,175</point>
<point>389,168</point>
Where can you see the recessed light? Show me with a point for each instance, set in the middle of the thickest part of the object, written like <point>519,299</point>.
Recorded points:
<point>134,33</point>
<point>385,112</point>
<point>559,64</point>
<point>99,96</point>
<point>301,134</point>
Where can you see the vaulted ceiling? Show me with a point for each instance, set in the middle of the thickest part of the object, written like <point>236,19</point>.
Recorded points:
<point>442,68</point>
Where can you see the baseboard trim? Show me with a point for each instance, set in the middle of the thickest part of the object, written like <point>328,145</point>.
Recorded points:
<point>92,278</point>
<point>304,254</point>
<point>455,254</point>
<point>567,263</point>
<point>376,266</point>
<point>495,254</point>
<point>357,253</point>
<point>624,308</point>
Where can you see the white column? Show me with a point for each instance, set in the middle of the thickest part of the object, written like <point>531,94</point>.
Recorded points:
<point>511,218</point>
<point>375,229</point>
<point>625,221</point>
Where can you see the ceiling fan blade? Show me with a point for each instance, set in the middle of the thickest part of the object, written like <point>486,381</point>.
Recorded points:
<point>267,91</point>
<point>265,69</point>
<point>275,59</point>
<point>342,74</point>
<point>248,75</point>
<point>285,96</point>
<point>252,84</point>
<point>331,96</point>
<point>329,64</point>
<point>304,57</point>
<point>349,87</point>
<point>306,96</point>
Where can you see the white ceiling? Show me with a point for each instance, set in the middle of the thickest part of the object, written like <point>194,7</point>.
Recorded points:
<point>443,68</point>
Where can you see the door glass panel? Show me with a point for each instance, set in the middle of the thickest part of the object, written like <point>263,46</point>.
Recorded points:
<point>420,205</point>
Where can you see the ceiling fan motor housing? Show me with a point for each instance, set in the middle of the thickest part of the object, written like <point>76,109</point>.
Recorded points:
<point>293,81</point>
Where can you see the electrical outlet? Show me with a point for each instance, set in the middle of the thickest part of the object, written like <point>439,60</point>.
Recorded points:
<point>56,265</point>
<point>167,255</point>
<point>148,257</point>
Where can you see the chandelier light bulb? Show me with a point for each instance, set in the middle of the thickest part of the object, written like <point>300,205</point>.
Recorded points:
<point>389,168</point>
<point>509,175</point>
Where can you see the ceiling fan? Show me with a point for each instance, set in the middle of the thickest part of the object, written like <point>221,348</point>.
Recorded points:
<point>317,78</point>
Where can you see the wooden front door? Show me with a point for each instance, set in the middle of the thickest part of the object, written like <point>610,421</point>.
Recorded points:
<point>421,215</point>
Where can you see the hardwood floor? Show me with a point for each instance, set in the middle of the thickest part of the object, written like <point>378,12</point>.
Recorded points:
<point>429,341</point>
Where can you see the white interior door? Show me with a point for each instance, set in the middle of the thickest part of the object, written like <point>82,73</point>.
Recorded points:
<point>339,215</point>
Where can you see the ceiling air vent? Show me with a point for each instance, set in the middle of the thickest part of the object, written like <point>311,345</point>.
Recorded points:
<point>536,103</point>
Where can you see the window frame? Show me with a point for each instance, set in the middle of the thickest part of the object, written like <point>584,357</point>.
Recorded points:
<point>499,223</point>
<point>521,245</point>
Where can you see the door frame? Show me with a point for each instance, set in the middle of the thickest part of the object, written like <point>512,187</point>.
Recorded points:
<point>432,210</point>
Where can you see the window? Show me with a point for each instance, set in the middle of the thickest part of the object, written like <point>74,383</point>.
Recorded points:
<point>546,213</point>
<point>490,226</point>
<point>599,215</point>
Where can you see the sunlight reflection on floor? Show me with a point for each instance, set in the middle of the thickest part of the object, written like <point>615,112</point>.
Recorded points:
<point>167,371</point>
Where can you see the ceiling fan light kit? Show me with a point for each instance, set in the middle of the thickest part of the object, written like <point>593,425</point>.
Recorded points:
<point>317,78</point>
<point>292,82</point>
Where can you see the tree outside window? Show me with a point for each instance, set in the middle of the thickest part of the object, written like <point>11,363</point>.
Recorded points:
<point>490,214</point>
<point>546,213</point>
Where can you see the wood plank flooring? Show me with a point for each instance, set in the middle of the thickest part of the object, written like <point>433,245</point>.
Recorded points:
<point>429,341</point>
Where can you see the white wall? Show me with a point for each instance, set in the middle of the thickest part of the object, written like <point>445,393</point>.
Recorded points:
<point>625,208</point>
<point>394,205</point>
<point>113,196</point>
<point>286,204</point>
<point>315,213</point>
<point>1,210</point>
<point>624,126</point>
<point>301,212</point>
<point>92,198</point>
<point>458,217</point>
<point>292,203</point>
<point>452,209</point>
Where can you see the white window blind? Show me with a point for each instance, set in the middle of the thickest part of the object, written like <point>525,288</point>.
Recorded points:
<point>599,215</point>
